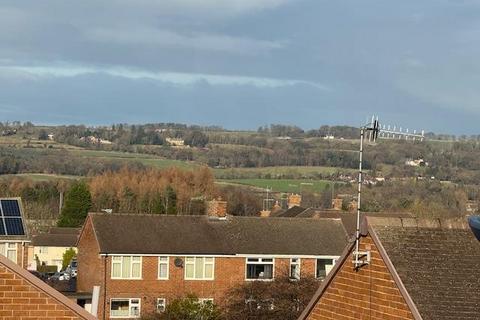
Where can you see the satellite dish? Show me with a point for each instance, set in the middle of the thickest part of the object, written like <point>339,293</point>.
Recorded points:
<point>178,262</point>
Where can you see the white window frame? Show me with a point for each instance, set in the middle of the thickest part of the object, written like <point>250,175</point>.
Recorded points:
<point>204,264</point>
<point>334,261</point>
<point>130,316</point>
<point>260,260</point>
<point>167,262</point>
<point>298,263</point>
<point>163,303</point>
<point>130,277</point>
<point>9,247</point>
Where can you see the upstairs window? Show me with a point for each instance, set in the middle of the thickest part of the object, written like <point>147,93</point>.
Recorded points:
<point>9,250</point>
<point>324,266</point>
<point>163,268</point>
<point>126,267</point>
<point>294,269</point>
<point>259,268</point>
<point>199,268</point>
<point>124,308</point>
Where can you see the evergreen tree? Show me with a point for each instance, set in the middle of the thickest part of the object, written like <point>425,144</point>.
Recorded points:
<point>170,200</point>
<point>77,203</point>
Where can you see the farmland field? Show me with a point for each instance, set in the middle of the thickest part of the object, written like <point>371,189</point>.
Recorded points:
<point>147,160</point>
<point>281,172</point>
<point>282,185</point>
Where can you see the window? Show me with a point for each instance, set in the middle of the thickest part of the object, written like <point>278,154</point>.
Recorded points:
<point>295,268</point>
<point>259,268</point>
<point>163,268</point>
<point>9,250</point>
<point>161,304</point>
<point>43,250</point>
<point>199,268</point>
<point>323,267</point>
<point>126,267</point>
<point>124,308</point>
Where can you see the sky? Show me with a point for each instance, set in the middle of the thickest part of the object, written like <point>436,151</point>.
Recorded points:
<point>242,64</point>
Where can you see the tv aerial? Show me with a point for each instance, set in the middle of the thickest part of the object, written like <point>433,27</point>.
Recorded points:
<point>375,131</point>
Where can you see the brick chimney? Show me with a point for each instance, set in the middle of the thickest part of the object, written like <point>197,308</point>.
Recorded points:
<point>294,200</point>
<point>217,208</point>
<point>337,204</point>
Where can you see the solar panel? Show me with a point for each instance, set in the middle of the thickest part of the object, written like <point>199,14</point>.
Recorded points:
<point>14,226</point>
<point>10,208</point>
<point>11,219</point>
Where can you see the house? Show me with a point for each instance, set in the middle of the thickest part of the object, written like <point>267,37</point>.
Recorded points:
<point>14,237</point>
<point>24,296</point>
<point>48,248</point>
<point>412,269</point>
<point>141,262</point>
<point>174,142</point>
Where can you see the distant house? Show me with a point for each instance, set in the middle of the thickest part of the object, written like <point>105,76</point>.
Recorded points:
<point>24,296</point>
<point>413,269</point>
<point>175,142</point>
<point>49,247</point>
<point>95,140</point>
<point>416,163</point>
<point>14,236</point>
<point>142,262</point>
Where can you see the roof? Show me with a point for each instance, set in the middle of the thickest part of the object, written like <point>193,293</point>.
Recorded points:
<point>164,234</point>
<point>438,263</point>
<point>41,286</point>
<point>434,262</point>
<point>290,212</point>
<point>349,219</point>
<point>57,237</point>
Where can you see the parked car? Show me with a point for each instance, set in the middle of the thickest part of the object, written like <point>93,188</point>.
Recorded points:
<point>60,276</point>
<point>72,268</point>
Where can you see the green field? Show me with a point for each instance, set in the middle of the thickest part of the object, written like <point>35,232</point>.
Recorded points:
<point>41,176</point>
<point>294,172</point>
<point>145,159</point>
<point>282,185</point>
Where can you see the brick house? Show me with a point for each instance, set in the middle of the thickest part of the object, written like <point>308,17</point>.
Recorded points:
<point>417,269</point>
<point>14,238</point>
<point>141,262</point>
<point>24,296</point>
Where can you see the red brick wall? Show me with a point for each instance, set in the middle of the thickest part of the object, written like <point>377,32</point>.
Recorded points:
<point>21,300</point>
<point>90,270</point>
<point>229,272</point>
<point>370,293</point>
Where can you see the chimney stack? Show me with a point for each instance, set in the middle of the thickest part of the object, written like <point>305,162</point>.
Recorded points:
<point>294,200</point>
<point>217,208</point>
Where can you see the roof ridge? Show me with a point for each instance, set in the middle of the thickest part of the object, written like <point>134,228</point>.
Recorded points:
<point>427,223</point>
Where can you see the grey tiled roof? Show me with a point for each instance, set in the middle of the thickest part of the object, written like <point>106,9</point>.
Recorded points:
<point>438,263</point>
<point>163,234</point>
<point>55,239</point>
